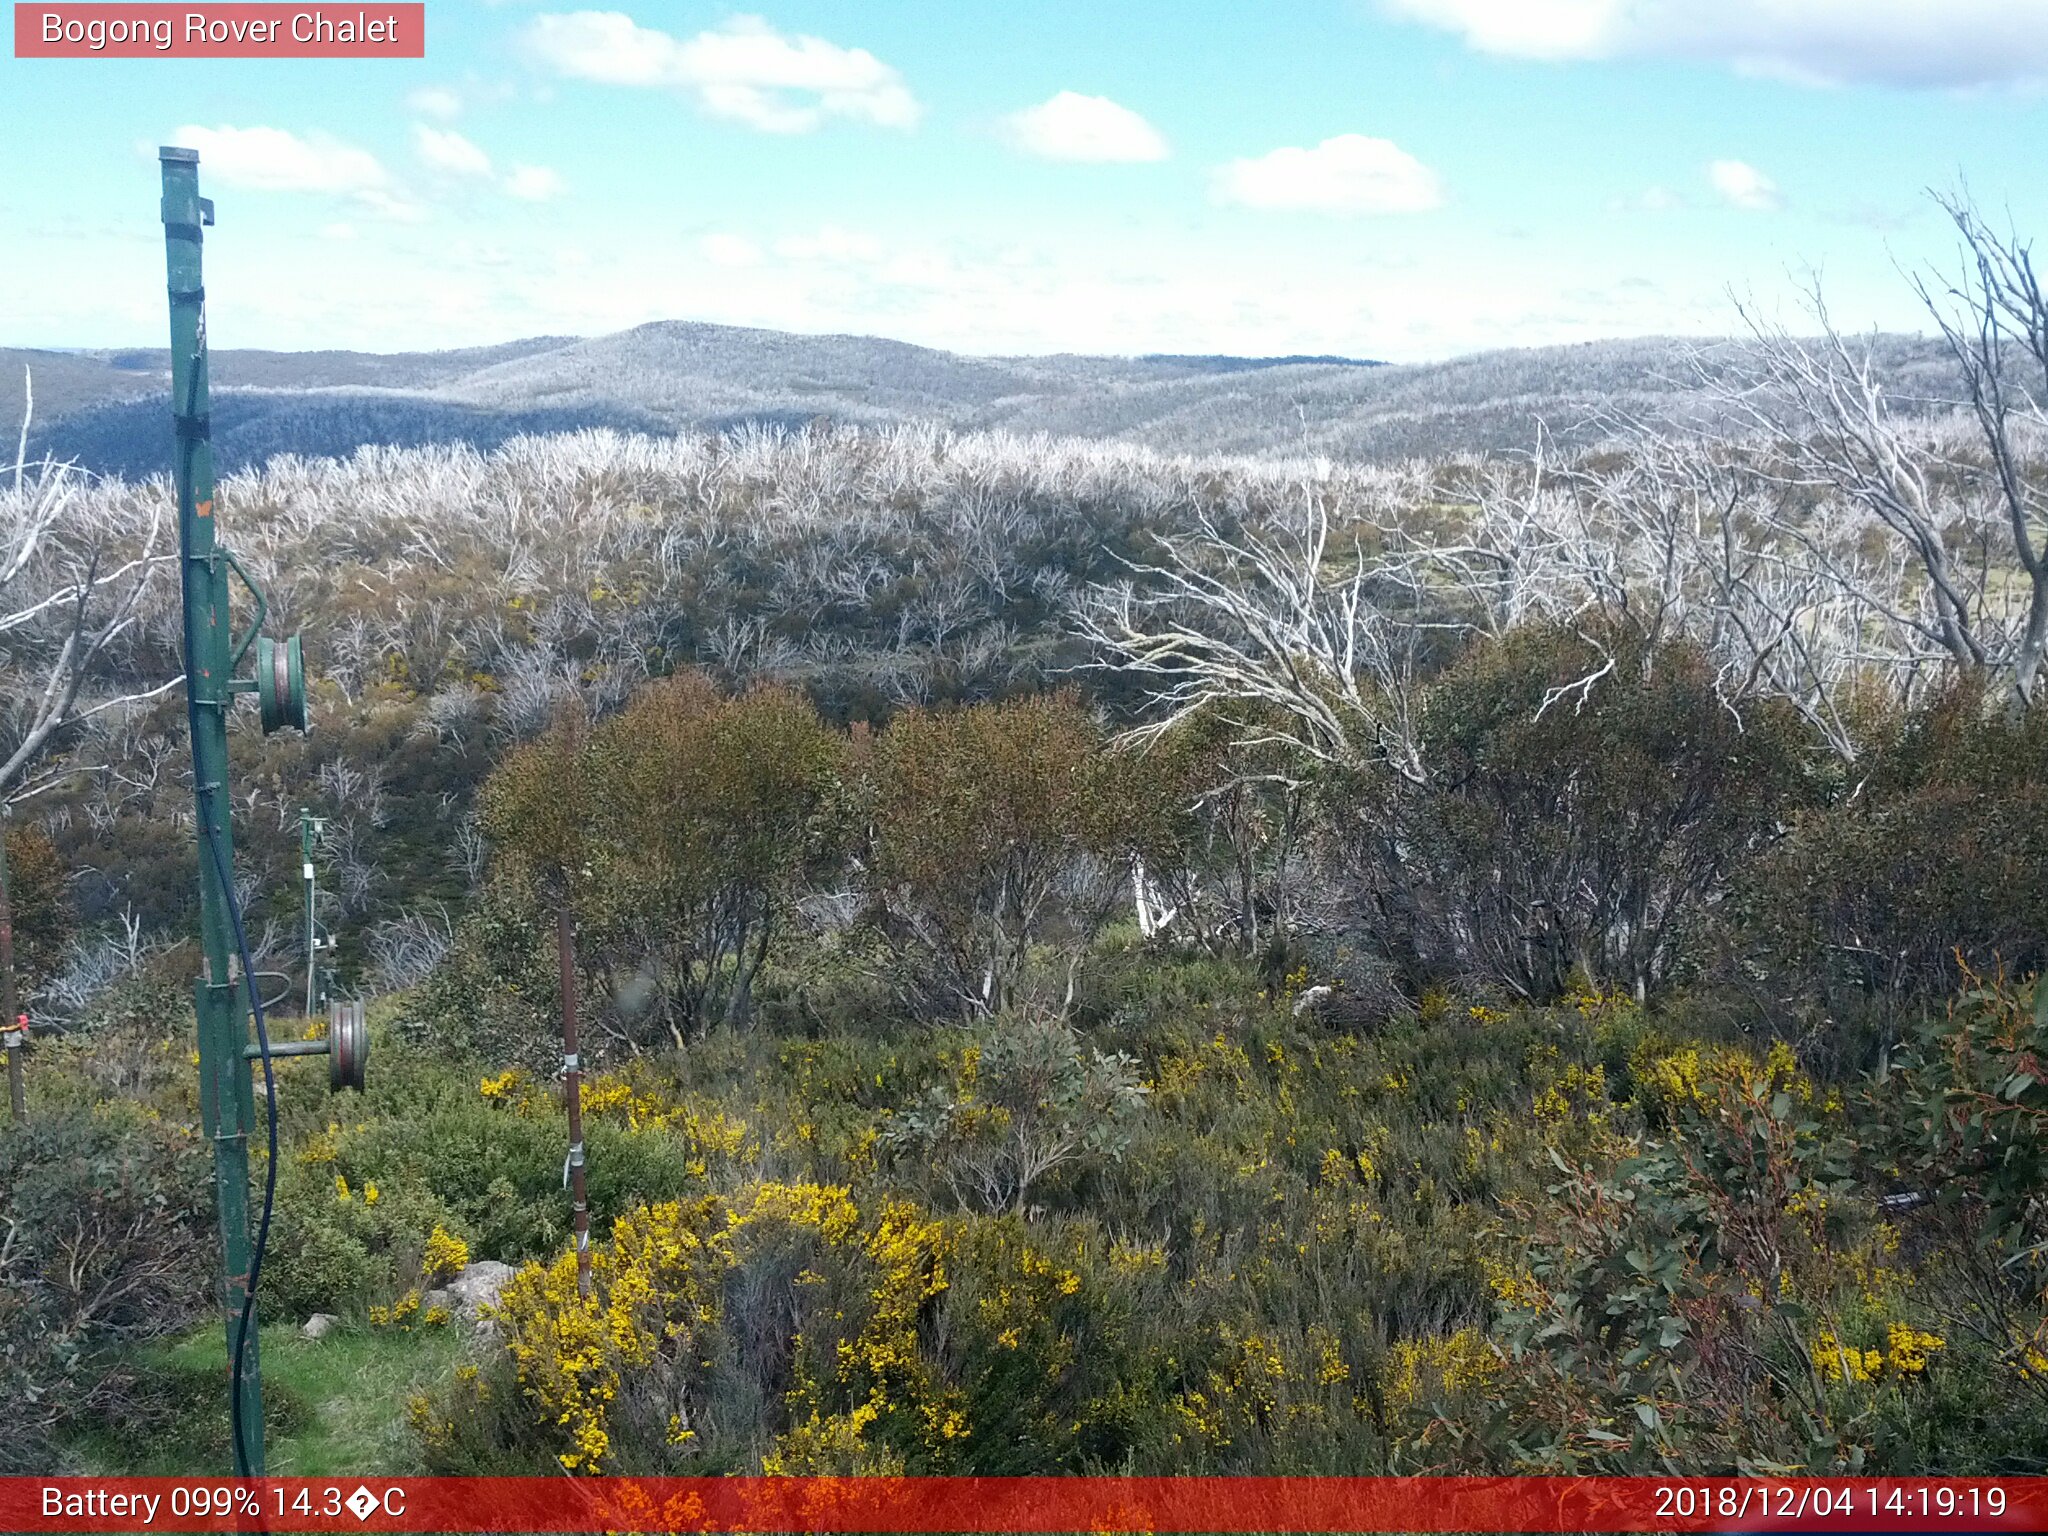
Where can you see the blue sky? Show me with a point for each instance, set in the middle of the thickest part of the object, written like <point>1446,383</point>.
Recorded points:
<point>1394,178</point>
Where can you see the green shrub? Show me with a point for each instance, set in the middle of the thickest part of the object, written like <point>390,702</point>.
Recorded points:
<point>1584,807</point>
<point>999,829</point>
<point>40,905</point>
<point>1939,857</point>
<point>174,1412</point>
<point>341,1245</point>
<point>494,997</point>
<point>1028,1099</point>
<point>1960,1116</point>
<point>108,1242</point>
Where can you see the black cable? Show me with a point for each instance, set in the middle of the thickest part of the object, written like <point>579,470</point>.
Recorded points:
<point>237,1430</point>
<point>242,1324</point>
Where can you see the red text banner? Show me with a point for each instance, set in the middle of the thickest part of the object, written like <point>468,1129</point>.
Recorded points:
<point>1021,1504</point>
<point>233,31</point>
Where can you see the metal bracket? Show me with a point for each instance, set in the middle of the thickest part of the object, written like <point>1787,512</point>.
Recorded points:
<point>262,607</point>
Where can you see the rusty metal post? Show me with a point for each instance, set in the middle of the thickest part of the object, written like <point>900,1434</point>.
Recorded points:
<point>12,1030</point>
<point>572,1091</point>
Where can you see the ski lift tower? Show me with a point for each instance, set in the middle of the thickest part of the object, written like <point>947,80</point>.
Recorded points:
<point>213,654</point>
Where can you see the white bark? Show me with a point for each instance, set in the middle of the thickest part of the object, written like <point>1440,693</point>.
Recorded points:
<point>72,587</point>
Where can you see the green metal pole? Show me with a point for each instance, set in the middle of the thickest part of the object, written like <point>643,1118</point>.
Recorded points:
<point>226,1095</point>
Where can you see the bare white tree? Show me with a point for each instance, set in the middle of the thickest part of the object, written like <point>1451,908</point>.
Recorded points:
<point>73,582</point>
<point>1931,538</point>
<point>404,950</point>
<point>1271,632</point>
<point>1994,318</point>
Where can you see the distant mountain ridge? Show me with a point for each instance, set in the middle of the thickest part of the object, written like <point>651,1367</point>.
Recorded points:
<point>1223,362</point>
<point>106,408</point>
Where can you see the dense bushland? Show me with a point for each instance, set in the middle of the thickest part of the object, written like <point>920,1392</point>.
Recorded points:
<point>909,1148</point>
<point>1094,961</point>
<point>1478,1237</point>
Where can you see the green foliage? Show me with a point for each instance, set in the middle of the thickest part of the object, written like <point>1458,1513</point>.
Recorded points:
<point>1966,1102</point>
<point>1584,807</point>
<point>711,816</point>
<point>1183,1220</point>
<point>1728,1296</point>
<point>494,996</point>
<point>1651,1323</point>
<point>680,833</point>
<point>1027,1098</point>
<point>172,1413</point>
<point>358,1200</point>
<point>40,902</point>
<point>1938,853</point>
<point>1477,1238</point>
<point>341,1245</point>
<point>536,808</point>
<point>331,1406</point>
<point>104,1243</point>
<point>996,829</point>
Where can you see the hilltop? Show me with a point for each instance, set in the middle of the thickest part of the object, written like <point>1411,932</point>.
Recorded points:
<point>105,407</point>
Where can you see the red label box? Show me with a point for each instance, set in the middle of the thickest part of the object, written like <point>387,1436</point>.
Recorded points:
<point>1024,1506</point>
<point>105,30</point>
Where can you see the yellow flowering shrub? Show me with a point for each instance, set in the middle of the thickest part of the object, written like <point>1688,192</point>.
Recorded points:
<point>634,1099</point>
<point>399,1314</point>
<point>657,1293</point>
<point>651,1288</point>
<point>1512,1285</point>
<point>880,1373</point>
<point>1701,1076</point>
<point>1905,1354</point>
<point>1425,1370</point>
<point>1907,1348</point>
<point>445,1255</point>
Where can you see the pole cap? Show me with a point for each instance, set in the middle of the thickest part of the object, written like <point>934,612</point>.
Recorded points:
<point>171,154</point>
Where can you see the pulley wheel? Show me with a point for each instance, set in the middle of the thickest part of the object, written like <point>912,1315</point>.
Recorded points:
<point>348,1047</point>
<point>281,683</point>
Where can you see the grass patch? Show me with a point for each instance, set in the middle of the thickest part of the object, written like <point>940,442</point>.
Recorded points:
<point>332,1406</point>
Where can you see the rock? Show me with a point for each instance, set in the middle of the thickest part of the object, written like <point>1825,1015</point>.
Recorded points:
<point>441,1297</point>
<point>320,1324</point>
<point>478,1286</point>
<point>1312,1000</point>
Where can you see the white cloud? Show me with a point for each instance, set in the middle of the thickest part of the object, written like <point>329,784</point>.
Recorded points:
<point>1071,126</point>
<point>435,101</point>
<point>1893,42</point>
<point>1745,186</point>
<point>724,250</point>
<point>1534,29</point>
<point>446,150</point>
<point>535,183</point>
<point>397,208</point>
<point>1650,200</point>
<point>274,160</point>
<point>743,70</point>
<point>1348,174</point>
<point>831,244</point>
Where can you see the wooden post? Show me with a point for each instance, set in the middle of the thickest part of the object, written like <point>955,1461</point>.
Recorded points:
<point>12,1030</point>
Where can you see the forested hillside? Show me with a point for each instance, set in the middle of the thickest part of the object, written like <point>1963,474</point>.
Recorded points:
<point>105,409</point>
